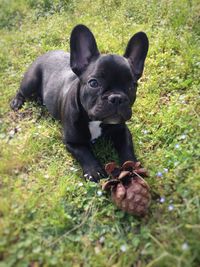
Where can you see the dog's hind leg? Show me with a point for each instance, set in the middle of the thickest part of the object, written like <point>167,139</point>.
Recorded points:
<point>30,87</point>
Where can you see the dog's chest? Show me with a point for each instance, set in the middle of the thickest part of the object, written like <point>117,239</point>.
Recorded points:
<point>95,129</point>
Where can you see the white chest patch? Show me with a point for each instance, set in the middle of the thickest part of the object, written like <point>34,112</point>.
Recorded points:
<point>95,129</point>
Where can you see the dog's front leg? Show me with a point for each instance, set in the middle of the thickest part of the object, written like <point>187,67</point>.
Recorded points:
<point>92,169</point>
<point>122,140</point>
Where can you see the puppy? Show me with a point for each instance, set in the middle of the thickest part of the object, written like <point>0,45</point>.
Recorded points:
<point>91,94</point>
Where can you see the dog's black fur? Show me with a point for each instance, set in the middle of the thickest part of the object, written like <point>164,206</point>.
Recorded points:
<point>84,86</point>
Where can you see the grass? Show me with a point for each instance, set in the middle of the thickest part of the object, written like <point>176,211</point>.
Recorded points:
<point>48,215</point>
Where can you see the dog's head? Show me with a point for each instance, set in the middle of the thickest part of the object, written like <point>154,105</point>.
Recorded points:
<point>108,82</point>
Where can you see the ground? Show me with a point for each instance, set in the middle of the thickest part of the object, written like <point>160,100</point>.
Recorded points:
<point>48,215</point>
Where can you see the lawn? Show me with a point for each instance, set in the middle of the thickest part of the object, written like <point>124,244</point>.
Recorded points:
<point>49,216</point>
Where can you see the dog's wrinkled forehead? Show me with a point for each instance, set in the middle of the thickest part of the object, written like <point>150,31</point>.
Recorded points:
<point>113,69</point>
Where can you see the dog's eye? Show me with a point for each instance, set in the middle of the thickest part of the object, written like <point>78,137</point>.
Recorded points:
<point>93,83</point>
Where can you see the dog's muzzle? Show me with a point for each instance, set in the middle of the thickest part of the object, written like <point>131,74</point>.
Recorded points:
<point>114,108</point>
<point>117,99</point>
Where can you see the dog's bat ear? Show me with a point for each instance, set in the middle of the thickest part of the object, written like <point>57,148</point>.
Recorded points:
<point>83,49</point>
<point>136,52</point>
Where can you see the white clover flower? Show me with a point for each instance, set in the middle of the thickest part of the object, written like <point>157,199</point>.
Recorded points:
<point>99,193</point>
<point>159,174</point>
<point>170,207</point>
<point>162,199</point>
<point>123,248</point>
<point>185,246</point>
<point>183,136</point>
<point>145,131</point>
<point>181,97</point>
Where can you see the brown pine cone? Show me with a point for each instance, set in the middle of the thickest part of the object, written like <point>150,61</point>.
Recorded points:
<point>129,191</point>
<point>133,197</point>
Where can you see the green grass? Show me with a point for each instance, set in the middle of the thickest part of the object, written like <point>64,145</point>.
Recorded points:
<point>48,215</point>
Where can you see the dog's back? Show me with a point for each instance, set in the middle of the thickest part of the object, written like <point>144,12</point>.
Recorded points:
<point>49,78</point>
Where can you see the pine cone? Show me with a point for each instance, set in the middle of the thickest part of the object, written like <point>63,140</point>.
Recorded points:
<point>129,191</point>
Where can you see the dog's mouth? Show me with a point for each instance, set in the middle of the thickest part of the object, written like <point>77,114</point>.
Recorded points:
<point>110,113</point>
<point>115,119</point>
<point>112,117</point>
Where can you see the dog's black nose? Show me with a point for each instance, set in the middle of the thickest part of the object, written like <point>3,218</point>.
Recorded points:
<point>117,99</point>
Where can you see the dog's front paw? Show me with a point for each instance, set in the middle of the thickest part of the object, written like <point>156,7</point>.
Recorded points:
<point>94,174</point>
<point>17,103</point>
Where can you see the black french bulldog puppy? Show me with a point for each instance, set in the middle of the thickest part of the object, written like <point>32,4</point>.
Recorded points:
<point>91,94</point>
